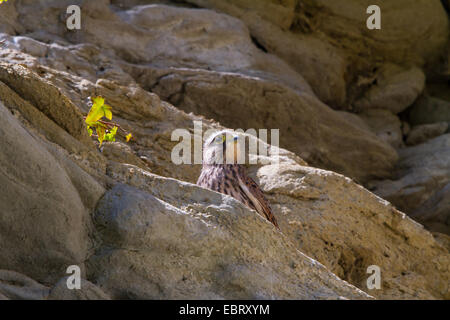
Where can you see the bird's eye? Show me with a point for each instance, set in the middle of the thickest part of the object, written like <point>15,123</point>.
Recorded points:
<point>220,139</point>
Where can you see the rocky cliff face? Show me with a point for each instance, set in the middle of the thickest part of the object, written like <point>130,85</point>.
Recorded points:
<point>363,119</point>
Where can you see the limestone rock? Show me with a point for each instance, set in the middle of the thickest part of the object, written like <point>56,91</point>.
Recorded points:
<point>435,212</point>
<point>313,205</point>
<point>9,16</point>
<point>272,94</point>
<point>429,109</point>
<point>316,133</point>
<point>400,29</point>
<point>419,185</point>
<point>201,249</point>
<point>119,151</point>
<point>355,119</point>
<point>87,291</point>
<point>168,36</point>
<point>385,125</point>
<point>422,133</point>
<point>46,97</point>
<point>160,237</point>
<point>41,208</point>
<point>316,60</point>
<point>442,239</point>
<point>16,286</point>
<point>395,89</point>
<point>328,41</point>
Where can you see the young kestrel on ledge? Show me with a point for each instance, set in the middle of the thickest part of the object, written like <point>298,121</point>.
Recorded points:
<point>229,177</point>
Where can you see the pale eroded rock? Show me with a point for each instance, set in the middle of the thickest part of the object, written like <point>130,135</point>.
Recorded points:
<point>419,184</point>
<point>347,228</point>
<point>429,109</point>
<point>207,247</point>
<point>395,89</point>
<point>87,291</point>
<point>422,133</point>
<point>17,286</point>
<point>385,125</point>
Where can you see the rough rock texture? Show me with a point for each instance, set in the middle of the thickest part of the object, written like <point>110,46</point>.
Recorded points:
<point>328,41</point>
<point>393,89</point>
<point>190,62</point>
<point>422,133</point>
<point>402,38</point>
<point>323,285</point>
<point>315,132</point>
<point>87,291</point>
<point>126,213</point>
<point>174,249</point>
<point>434,213</point>
<point>385,125</point>
<point>420,184</point>
<point>429,109</point>
<point>16,286</point>
<point>41,206</point>
<point>304,196</point>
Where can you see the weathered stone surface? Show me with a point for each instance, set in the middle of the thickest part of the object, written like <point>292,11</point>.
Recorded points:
<point>16,286</point>
<point>87,291</point>
<point>9,16</point>
<point>169,36</point>
<point>435,212</point>
<point>394,89</point>
<point>419,184</point>
<point>345,22</point>
<point>356,119</point>
<point>44,219</point>
<point>385,125</point>
<point>120,152</point>
<point>173,239</point>
<point>318,134</point>
<point>429,109</point>
<point>313,205</point>
<point>46,97</point>
<point>315,59</point>
<point>328,41</point>
<point>200,249</point>
<point>442,239</point>
<point>422,133</point>
<point>272,94</point>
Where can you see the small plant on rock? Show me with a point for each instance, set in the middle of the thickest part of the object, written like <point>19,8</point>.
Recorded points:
<point>105,131</point>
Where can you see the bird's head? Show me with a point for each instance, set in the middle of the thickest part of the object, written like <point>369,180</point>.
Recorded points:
<point>221,148</point>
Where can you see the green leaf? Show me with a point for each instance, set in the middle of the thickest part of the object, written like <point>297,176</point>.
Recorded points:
<point>111,136</point>
<point>98,110</point>
<point>107,110</point>
<point>98,100</point>
<point>128,137</point>
<point>89,128</point>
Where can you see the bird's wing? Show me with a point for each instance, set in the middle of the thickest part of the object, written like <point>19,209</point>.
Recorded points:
<point>255,194</point>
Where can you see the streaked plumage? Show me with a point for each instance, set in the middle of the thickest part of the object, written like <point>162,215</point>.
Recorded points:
<point>231,179</point>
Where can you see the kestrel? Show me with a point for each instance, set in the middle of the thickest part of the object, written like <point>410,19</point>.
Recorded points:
<point>229,177</point>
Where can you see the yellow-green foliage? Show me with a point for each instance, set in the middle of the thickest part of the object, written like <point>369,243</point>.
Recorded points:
<point>105,130</point>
